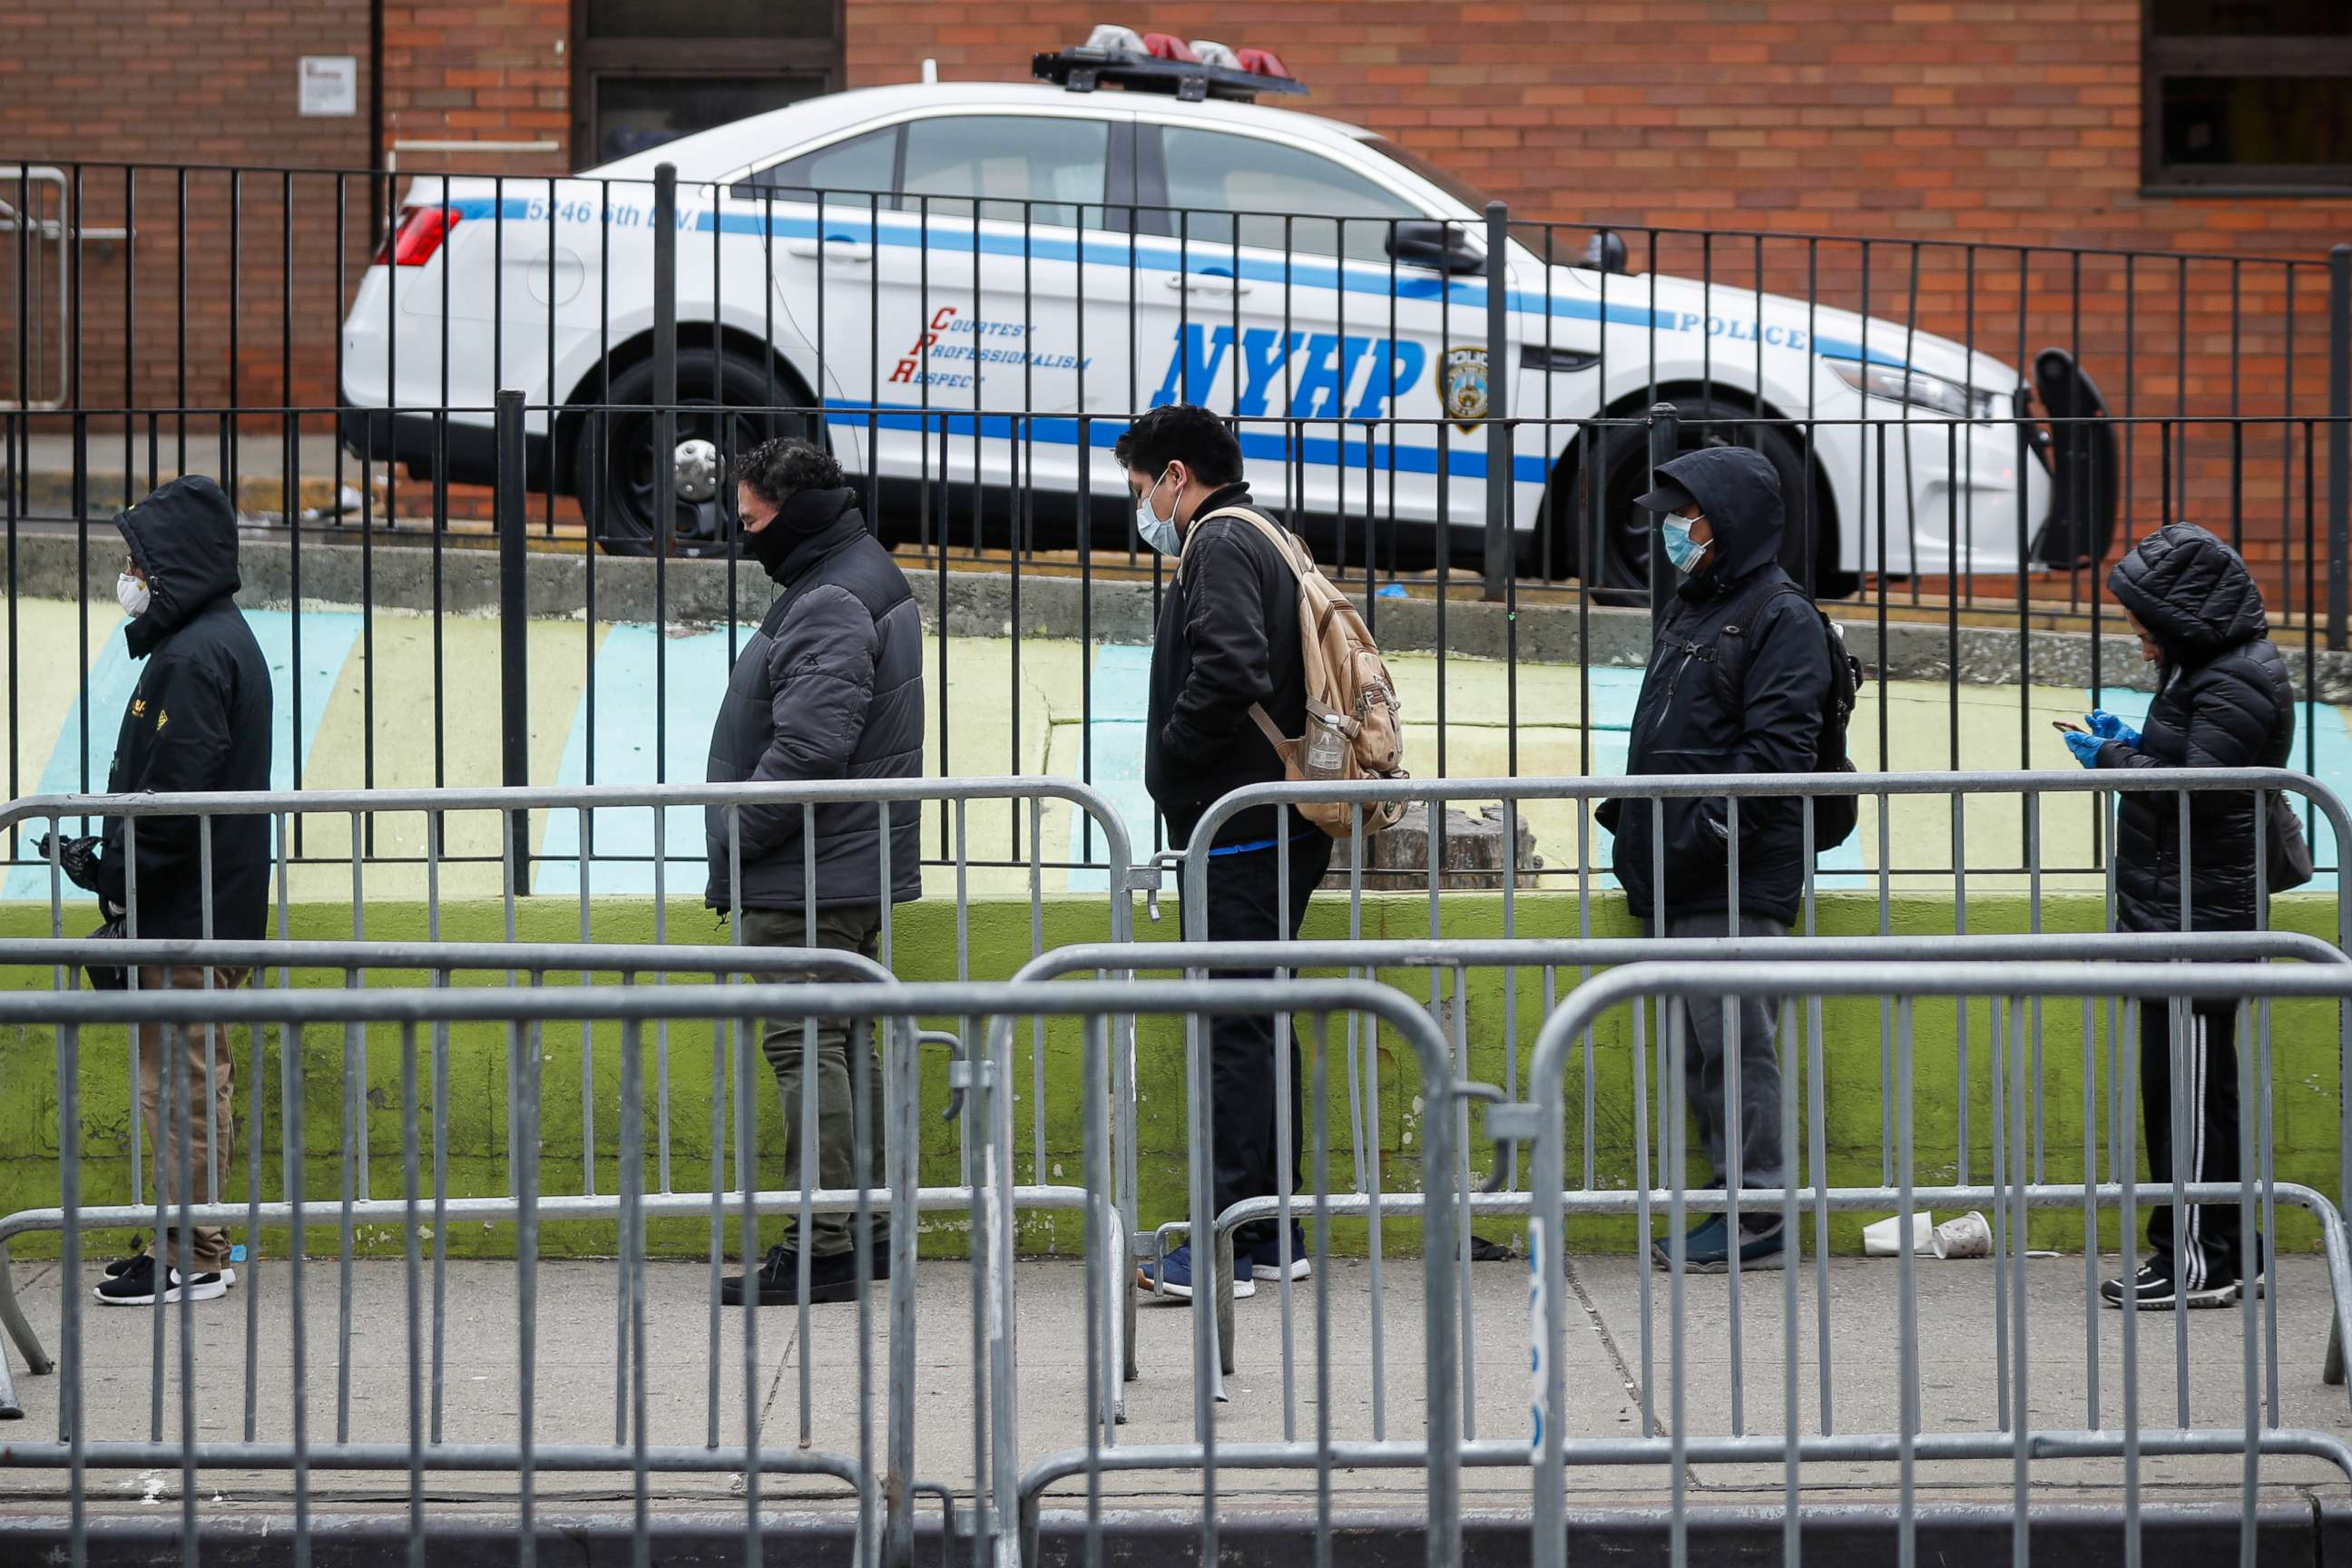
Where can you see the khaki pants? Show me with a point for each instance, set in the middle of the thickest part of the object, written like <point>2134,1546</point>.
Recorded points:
<point>209,1112</point>
<point>781,1041</point>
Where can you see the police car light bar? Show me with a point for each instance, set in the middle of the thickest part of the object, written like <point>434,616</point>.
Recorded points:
<point>1162,62</point>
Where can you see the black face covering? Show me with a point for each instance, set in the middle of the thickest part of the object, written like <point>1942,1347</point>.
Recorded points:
<point>805,522</point>
<point>770,545</point>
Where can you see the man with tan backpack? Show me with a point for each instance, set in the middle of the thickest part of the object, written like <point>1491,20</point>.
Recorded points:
<point>1240,696</point>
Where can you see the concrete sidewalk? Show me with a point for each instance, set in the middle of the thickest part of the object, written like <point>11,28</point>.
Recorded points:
<point>1606,1373</point>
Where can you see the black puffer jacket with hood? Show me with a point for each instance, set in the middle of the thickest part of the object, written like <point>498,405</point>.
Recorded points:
<point>2223,700</point>
<point>830,687</point>
<point>198,720</point>
<point>1739,676</point>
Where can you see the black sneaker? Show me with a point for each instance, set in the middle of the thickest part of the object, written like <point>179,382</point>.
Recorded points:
<point>122,1266</point>
<point>2154,1288</point>
<point>832,1276</point>
<point>135,1285</point>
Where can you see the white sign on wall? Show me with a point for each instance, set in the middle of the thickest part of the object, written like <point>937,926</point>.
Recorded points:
<point>330,84</point>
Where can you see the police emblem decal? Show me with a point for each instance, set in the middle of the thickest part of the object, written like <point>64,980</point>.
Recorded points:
<point>1464,387</point>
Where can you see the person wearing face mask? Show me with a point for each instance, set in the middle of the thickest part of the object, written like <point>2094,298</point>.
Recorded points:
<point>829,687</point>
<point>2223,700</point>
<point>1739,679</point>
<point>1227,639</point>
<point>199,720</point>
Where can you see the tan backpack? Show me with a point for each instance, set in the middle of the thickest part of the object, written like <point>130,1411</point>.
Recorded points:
<point>1352,730</point>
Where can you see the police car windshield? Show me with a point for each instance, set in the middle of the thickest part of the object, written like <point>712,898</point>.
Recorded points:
<point>1527,233</point>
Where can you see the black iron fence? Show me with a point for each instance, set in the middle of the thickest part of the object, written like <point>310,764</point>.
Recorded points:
<point>393,374</point>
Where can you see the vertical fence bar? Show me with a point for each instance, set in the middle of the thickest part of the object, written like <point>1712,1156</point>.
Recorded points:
<point>2339,442</point>
<point>514,671</point>
<point>1498,434</point>
<point>1666,439</point>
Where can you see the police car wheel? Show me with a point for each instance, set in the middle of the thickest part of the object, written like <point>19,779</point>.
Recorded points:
<point>1622,574</point>
<point>619,475</point>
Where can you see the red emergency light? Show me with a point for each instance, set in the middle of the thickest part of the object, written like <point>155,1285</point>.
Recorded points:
<point>1163,62</point>
<point>1263,62</point>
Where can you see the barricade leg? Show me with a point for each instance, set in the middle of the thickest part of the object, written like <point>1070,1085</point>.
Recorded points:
<point>28,1343</point>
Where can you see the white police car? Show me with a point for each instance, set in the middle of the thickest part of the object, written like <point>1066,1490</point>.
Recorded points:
<point>943,267</point>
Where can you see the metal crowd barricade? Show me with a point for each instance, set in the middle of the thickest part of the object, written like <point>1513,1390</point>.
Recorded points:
<point>1500,1192</point>
<point>354,961</point>
<point>1096,818</point>
<point>2107,786</point>
<point>2014,1192</point>
<point>2030,788</point>
<point>885,1482</point>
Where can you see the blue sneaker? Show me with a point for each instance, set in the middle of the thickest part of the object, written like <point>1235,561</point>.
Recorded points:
<point>1705,1250</point>
<point>1175,1277</point>
<point>1265,1257</point>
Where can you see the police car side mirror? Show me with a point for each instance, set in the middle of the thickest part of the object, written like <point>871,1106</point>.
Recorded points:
<point>1440,247</point>
<point>1605,252</point>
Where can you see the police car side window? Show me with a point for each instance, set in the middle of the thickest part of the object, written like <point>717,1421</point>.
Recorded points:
<point>861,165</point>
<point>1276,191</point>
<point>1050,171</point>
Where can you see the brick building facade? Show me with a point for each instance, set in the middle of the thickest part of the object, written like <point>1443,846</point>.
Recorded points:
<point>2009,122</point>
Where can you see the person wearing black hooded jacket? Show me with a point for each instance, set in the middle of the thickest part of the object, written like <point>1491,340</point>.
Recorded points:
<point>1738,681</point>
<point>199,721</point>
<point>2223,700</point>
<point>829,687</point>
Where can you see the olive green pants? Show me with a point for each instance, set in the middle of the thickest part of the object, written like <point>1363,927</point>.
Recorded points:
<point>785,1042</point>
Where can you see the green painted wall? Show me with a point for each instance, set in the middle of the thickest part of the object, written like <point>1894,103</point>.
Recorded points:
<point>2304,1073</point>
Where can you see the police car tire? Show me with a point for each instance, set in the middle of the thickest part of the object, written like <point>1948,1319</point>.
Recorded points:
<point>1624,456</point>
<point>625,530</point>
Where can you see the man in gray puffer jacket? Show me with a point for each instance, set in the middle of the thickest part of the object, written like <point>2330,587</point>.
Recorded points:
<point>830,687</point>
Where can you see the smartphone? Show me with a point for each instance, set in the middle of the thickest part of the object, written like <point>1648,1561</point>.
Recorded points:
<point>2067,727</point>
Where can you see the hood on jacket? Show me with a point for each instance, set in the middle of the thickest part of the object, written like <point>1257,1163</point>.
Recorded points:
<point>808,525</point>
<point>183,536</point>
<point>1741,494</point>
<point>2192,592</point>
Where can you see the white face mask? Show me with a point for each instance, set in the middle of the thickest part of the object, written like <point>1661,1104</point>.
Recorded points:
<point>132,593</point>
<point>1157,532</point>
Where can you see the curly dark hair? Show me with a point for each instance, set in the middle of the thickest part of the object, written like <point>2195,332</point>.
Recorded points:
<point>1185,433</point>
<point>784,466</point>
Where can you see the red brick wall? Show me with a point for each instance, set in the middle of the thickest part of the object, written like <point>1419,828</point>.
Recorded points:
<point>494,73</point>
<point>1931,120</point>
<point>171,82</point>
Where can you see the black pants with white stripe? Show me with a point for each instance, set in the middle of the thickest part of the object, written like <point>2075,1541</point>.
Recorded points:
<point>2210,1248</point>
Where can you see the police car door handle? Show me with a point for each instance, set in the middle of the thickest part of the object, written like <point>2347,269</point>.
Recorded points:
<point>833,249</point>
<point>1207,282</point>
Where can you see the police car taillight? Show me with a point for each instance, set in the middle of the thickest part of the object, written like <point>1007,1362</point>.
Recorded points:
<point>417,237</point>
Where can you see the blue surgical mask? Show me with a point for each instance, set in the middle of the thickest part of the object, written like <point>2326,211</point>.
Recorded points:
<point>1157,532</point>
<point>1682,550</point>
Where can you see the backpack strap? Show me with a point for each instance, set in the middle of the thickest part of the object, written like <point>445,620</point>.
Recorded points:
<point>1275,535</point>
<point>1280,540</point>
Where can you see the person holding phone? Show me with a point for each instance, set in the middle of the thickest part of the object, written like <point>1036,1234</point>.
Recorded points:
<point>2223,700</point>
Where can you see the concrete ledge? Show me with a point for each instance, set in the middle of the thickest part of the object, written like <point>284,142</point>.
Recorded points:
<point>694,593</point>
<point>1834,1535</point>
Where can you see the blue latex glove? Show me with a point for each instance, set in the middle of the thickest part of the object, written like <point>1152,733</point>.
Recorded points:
<point>2107,727</point>
<point>2084,747</point>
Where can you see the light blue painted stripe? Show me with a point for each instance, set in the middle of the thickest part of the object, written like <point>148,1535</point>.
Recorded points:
<point>628,697</point>
<point>1119,708</point>
<point>327,639</point>
<point>114,676</point>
